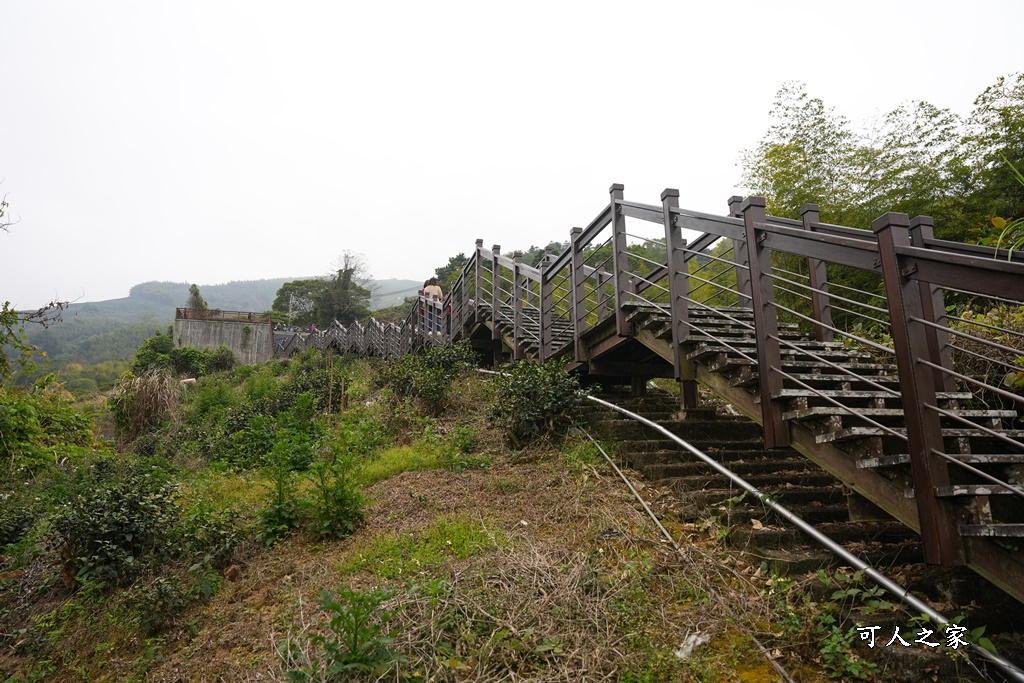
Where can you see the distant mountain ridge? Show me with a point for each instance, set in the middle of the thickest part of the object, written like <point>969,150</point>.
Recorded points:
<point>157,300</point>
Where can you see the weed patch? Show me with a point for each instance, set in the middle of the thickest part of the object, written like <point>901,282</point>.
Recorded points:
<point>399,459</point>
<point>402,554</point>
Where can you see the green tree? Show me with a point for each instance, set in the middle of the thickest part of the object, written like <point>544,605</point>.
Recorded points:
<point>195,302</point>
<point>809,155</point>
<point>995,143</point>
<point>449,273</point>
<point>296,300</point>
<point>917,159</point>
<point>343,296</point>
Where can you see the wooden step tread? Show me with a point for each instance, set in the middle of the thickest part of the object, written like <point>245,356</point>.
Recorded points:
<point>971,458</point>
<point>973,490</point>
<point>829,411</point>
<point>852,433</point>
<point>1000,530</point>
<point>809,377</point>
<point>854,393</point>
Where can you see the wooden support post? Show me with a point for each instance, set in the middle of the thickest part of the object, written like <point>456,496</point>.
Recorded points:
<point>821,309</point>
<point>579,299</point>
<point>934,307</point>
<point>766,325</point>
<point>679,291</point>
<point>517,307</point>
<point>546,303</point>
<point>939,534</point>
<point>620,262</point>
<point>740,257</point>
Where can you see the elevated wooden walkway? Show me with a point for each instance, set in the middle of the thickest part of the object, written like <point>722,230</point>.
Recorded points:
<point>745,309</point>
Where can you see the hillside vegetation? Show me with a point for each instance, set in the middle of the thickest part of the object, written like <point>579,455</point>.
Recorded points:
<point>330,519</point>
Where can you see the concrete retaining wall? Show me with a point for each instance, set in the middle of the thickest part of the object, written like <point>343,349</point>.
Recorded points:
<point>251,343</point>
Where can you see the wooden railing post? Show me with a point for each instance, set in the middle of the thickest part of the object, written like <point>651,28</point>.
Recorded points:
<point>818,279</point>
<point>517,306</point>
<point>939,535</point>
<point>495,292</point>
<point>740,257</point>
<point>934,307</point>
<point>620,262</point>
<point>766,325</point>
<point>421,315</point>
<point>579,307</point>
<point>478,281</point>
<point>679,291</point>
<point>546,302</point>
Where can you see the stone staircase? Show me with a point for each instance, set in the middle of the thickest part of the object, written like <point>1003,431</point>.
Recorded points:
<point>787,476</point>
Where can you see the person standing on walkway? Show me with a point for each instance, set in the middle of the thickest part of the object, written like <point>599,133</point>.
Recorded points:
<point>434,295</point>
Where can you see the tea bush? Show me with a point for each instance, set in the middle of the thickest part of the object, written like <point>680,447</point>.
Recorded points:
<point>428,376</point>
<point>280,516</point>
<point>535,400</point>
<point>112,519</point>
<point>206,535</point>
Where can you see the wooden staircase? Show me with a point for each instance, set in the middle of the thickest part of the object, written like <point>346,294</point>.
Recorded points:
<point>828,391</point>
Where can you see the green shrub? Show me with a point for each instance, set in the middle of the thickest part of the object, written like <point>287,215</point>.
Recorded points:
<point>221,359</point>
<point>188,360</point>
<point>157,604</point>
<point>280,516</point>
<point>159,352</point>
<point>361,433</point>
<point>39,427</point>
<point>428,376</point>
<point>336,506</point>
<point>535,400</point>
<point>112,520</point>
<point>358,643</point>
<point>18,514</point>
<point>20,432</point>
<point>207,536</point>
<point>154,352</point>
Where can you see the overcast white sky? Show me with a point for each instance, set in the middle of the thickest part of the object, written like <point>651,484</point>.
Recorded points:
<point>212,141</point>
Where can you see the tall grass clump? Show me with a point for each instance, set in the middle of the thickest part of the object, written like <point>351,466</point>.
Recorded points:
<point>140,403</point>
